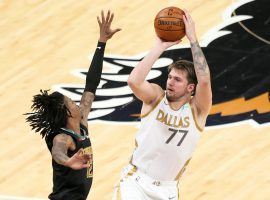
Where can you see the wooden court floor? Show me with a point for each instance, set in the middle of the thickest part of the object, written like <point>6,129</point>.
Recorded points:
<point>42,41</point>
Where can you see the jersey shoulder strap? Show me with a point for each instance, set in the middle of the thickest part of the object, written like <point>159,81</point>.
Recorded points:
<point>74,135</point>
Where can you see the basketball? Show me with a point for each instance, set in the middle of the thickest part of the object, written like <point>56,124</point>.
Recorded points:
<point>169,24</point>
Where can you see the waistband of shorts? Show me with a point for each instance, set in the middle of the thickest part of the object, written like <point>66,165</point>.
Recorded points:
<point>138,174</point>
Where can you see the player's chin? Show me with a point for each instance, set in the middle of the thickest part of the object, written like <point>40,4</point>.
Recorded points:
<point>169,96</point>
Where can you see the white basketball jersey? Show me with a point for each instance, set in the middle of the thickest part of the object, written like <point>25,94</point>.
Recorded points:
<point>166,141</point>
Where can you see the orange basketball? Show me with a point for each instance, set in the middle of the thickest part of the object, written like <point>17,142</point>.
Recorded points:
<point>169,24</point>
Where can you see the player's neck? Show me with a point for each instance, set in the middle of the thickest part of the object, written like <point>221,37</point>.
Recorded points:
<point>178,103</point>
<point>74,125</point>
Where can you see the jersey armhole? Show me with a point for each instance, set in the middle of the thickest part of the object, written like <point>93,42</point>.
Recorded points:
<point>154,106</point>
<point>195,118</point>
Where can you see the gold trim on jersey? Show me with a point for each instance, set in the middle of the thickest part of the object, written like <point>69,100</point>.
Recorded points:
<point>118,192</point>
<point>130,173</point>
<point>136,145</point>
<point>178,191</point>
<point>130,161</point>
<point>195,119</point>
<point>182,170</point>
<point>155,105</point>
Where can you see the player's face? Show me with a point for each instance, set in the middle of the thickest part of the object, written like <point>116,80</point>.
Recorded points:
<point>177,85</point>
<point>73,107</point>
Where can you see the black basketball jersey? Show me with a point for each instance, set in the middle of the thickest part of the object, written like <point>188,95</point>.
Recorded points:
<point>69,184</point>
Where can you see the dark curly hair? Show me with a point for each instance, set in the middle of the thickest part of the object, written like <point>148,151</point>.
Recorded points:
<point>49,113</point>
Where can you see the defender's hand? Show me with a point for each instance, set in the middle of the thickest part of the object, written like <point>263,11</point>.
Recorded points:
<point>79,160</point>
<point>105,26</point>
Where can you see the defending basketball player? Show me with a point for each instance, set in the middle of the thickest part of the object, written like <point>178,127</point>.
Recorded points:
<point>65,128</point>
<point>171,123</point>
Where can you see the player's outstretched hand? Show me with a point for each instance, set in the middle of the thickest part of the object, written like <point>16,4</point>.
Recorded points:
<point>79,160</point>
<point>106,32</point>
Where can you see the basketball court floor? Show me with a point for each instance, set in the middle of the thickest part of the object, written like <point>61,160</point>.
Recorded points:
<point>48,44</point>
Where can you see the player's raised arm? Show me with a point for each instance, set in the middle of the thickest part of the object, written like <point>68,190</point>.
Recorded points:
<point>203,96</point>
<point>95,70</point>
<point>142,89</point>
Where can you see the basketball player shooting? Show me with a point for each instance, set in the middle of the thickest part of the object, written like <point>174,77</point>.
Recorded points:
<point>65,128</point>
<point>171,122</point>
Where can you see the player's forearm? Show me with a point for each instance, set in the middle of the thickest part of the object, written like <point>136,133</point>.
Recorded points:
<point>140,72</point>
<point>200,64</point>
<point>95,69</point>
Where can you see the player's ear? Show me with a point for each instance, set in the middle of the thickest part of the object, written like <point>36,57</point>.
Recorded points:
<point>191,87</point>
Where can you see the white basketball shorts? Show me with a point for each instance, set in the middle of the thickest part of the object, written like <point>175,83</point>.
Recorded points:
<point>135,185</point>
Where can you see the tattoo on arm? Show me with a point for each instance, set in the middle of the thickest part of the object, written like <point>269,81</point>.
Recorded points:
<point>200,64</point>
<point>59,150</point>
<point>86,102</point>
<point>87,99</point>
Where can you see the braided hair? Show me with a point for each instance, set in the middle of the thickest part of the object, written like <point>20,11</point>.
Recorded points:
<point>49,113</point>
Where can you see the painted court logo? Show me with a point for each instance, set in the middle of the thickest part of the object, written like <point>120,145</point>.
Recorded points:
<point>238,56</point>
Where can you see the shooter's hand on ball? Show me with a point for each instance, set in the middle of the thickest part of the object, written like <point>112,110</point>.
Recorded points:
<point>190,27</point>
<point>165,45</point>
